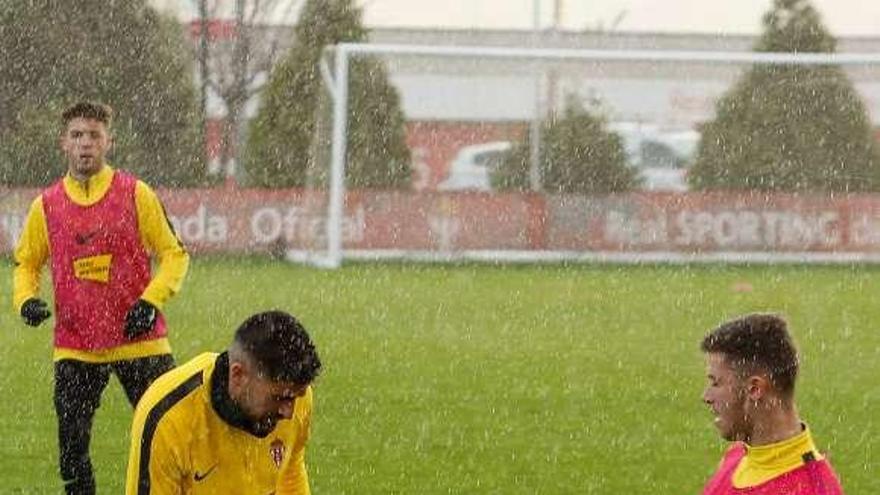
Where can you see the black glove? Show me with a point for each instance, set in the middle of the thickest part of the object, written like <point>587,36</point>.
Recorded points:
<point>35,311</point>
<point>141,318</point>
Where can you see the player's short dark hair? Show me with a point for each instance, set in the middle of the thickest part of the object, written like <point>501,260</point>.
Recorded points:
<point>757,343</point>
<point>88,110</point>
<point>280,347</point>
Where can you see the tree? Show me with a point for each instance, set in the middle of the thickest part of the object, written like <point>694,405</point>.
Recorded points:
<point>285,139</point>
<point>578,155</point>
<point>786,127</point>
<point>234,58</point>
<point>122,53</point>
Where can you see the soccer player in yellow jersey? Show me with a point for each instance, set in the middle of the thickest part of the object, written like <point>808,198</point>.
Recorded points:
<point>98,229</point>
<point>234,422</point>
<point>751,366</point>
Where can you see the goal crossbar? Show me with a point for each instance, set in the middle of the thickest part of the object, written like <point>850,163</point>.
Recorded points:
<point>338,85</point>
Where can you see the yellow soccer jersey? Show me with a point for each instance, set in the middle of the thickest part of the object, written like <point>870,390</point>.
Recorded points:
<point>765,462</point>
<point>181,445</point>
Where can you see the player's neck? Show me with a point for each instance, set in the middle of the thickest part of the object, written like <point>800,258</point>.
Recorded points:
<point>84,177</point>
<point>777,425</point>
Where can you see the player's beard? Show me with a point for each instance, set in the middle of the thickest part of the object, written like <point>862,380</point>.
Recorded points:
<point>734,423</point>
<point>86,165</point>
<point>266,425</point>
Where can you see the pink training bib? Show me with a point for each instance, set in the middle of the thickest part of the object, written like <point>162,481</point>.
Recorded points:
<point>813,478</point>
<point>99,265</point>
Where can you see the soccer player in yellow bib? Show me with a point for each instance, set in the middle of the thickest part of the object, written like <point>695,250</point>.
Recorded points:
<point>234,422</point>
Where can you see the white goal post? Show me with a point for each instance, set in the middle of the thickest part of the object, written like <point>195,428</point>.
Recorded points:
<point>336,80</point>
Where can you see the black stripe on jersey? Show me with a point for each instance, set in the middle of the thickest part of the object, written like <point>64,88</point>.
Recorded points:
<point>171,226</point>
<point>152,422</point>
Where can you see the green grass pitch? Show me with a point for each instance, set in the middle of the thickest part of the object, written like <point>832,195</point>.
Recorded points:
<point>485,379</point>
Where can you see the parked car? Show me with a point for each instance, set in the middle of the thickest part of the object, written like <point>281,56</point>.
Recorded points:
<point>471,167</point>
<point>662,157</point>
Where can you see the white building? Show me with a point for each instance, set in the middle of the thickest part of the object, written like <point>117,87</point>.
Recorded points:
<point>681,95</point>
<point>469,94</point>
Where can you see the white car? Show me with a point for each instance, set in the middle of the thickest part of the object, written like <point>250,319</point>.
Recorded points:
<point>471,167</point>
<point>661,167</point>
<point>661,157</point>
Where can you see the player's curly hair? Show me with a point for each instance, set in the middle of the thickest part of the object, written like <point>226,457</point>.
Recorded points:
<point>757,343</point>
<point>279,346</point>
<point>88,110</point>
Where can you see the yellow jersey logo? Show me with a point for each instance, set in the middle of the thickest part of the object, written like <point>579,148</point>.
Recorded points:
<point>94,268</point>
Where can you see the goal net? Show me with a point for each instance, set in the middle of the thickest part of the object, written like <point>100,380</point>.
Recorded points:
<point>469,110</point>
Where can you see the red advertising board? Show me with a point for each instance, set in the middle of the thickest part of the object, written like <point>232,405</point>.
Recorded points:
<point>246,220</point>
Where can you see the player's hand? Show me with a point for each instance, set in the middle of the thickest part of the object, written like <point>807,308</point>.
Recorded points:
<point>34,311</point>
<point>141,318</point>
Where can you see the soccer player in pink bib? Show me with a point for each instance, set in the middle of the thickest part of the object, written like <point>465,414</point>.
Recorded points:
<point>752,365</point>
<point>97,228</point>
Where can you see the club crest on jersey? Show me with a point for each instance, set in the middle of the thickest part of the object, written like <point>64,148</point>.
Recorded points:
<point>276,450</point>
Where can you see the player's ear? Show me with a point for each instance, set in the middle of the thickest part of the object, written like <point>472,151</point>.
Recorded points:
<point>757,387</point>
<point>236,373</point>
<point>62,139</point>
